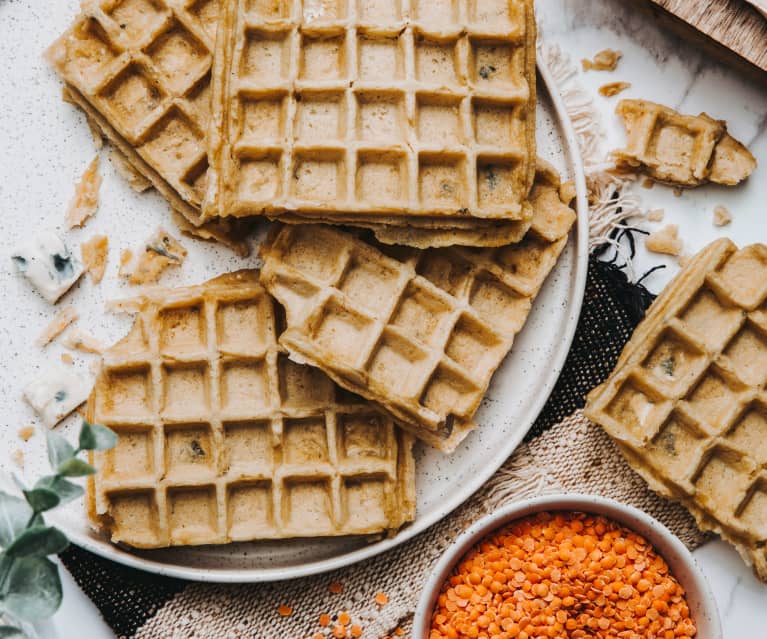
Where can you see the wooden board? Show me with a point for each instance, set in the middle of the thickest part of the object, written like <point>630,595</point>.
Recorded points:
<point>732,30</point>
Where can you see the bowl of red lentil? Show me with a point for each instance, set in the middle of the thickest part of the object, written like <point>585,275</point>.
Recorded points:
<point>569,566</point>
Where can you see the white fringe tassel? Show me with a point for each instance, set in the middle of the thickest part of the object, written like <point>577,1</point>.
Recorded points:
<point>611,196</point>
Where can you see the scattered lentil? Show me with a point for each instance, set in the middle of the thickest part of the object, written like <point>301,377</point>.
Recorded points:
<point>284,610</point>
<point>336,588</point>
<point>382,599</point>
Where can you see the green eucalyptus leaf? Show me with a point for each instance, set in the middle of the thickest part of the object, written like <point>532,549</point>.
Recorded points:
<point>9,632</point>
<point>59,449</point>
<point>75,467</point>
<point>97,437</point>
<point>65,489</point>
<point>42,499</point>
<point>39,541</point>
<point>33,589</point>
<point>15,514</point>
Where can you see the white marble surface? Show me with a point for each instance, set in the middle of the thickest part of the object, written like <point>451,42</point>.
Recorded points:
<point>660,68</point>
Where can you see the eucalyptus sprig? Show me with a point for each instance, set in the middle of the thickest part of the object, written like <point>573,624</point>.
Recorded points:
<point>30,587</point>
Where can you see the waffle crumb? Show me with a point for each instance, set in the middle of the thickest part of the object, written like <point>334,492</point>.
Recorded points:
<point>382,599</point>
<point>67,358</point>
<point>285,610</point>
<point>58,324</point>
<point>677,191</point>
<point>94,253</point>
<point>613,88</point>
<point>80,341</point>
<point>85,203</point>
<point>605,60</point>
<point>656,215</point>
<point>684,259</point>
<point>336,588</point>
<point>17,456</point>
<point>26,432</point>
<point>722,216</point>
<point>665,240</point>
<point>128,172</point>
<point>648,183</point>
<point>145,267</point>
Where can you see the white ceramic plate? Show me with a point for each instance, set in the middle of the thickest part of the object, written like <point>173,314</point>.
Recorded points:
<point>46,147</point>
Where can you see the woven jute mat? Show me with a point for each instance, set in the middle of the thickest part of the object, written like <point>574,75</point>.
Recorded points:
<point>564,452</point>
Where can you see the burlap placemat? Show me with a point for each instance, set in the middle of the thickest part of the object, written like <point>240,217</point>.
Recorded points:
<point>564,452</point>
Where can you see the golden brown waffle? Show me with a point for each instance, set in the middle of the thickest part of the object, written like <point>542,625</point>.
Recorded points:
<point>419,332</point>
<point>141,70</point>
<point>682,150</point>
<point>414,109</point>
<point>222,438</point>
<point>686,402</point>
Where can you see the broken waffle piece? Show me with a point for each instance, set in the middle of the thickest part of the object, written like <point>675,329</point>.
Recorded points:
<point>255,445</point>
<point>77,340</point>
<point>26,432</point>
<point>656,215</point>
<point>85,202</point>
<point>125,169</point>
<point>605,60</point>
<point>94,253</point>
<point>680,150</point>
<point>665,240</point>
<point>63,318</point>
<point>686,402</point>
<point>613,88</point>
<point>722,215</point>
<point>57,392</point>
<point>146,265</point>
<point>45,261</point>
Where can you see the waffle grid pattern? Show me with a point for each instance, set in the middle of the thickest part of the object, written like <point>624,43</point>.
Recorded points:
<point>223,439</point>
<point>419,332</point>
<point>410,108</point>
<point>688,399</point>
<point>145,67</point>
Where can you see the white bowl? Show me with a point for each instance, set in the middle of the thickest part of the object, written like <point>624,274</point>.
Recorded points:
<point>682,564</point>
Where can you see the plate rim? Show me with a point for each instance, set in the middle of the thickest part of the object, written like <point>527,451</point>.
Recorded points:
<point>115,553</point>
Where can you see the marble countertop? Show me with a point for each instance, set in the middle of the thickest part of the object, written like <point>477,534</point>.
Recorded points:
<point>661,68</point>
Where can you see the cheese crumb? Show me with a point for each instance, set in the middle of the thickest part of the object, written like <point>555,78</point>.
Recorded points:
<point>80,341</point>
<point>160,251</point>
<point>656,215</point>
<point>94,253</point>
<point>26,432</point>
<point>665,240</point>
<point>605,60</point>
<point>613,88</point>
<point>86,200</point>
<point>17,456</point>
<point>60,321</point>
<point>722,216</point>
<point>134,179</point>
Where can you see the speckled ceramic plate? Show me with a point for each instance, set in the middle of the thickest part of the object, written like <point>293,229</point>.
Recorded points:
<point>47,145</point>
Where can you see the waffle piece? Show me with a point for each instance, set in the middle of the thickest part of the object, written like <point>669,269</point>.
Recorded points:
<point>686,402</point>
<point>681,150</point>
<point>222,438</point>
<point>355,107</point>
<point>141,71</point>
<point>418,331</point>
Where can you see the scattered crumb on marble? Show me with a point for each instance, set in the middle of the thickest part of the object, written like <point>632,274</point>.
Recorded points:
<point>135,180</point>
<point>677,191</point>
<point>648,183</point>
<point>656,215</point>
<point>86,200</point>
<point>67,359</point>
<point>613,88</point>
<point>665,240</point>
<point>17,456</point>
<point>94,253</point>
<point>722,216</point>
<point>160,251</point>
<point>63,318</point>
<point>605,60</point>
<point>78,340</point>
<point>26,432</point>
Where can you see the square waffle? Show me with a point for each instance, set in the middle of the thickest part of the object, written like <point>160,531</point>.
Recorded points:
<point>412,109</point>
<point>681,150</point>
<point>141,70</point>
<point>420,332</point>
<point>222,438</point>
<point>687,402</point>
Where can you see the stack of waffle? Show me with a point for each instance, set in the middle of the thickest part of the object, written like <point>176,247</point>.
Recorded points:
<point>394,144</point>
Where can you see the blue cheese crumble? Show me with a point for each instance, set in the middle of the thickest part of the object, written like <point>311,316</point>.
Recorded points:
<point>48,265</point>
<point>57,393</point>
